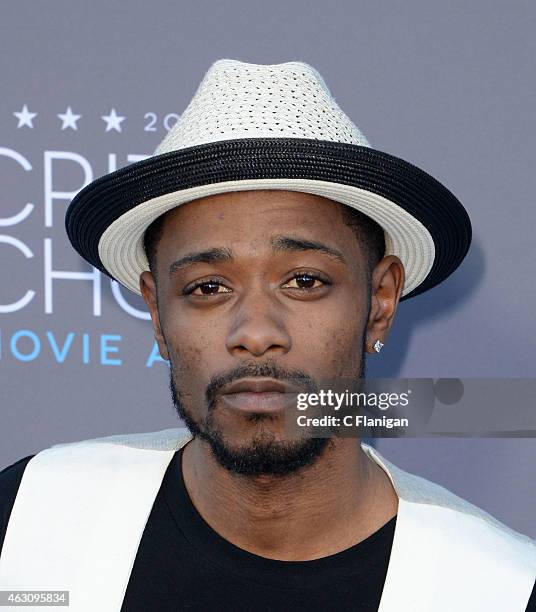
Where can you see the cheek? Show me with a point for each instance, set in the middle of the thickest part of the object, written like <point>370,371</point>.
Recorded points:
<point>189,370</point>
<point>187,353</point>
<point>331,343</point>
<point>344,351</point>
<point>192,350</point>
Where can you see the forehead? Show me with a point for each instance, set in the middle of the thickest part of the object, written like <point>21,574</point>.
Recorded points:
<point>253,215</point>
<point>251,226</point>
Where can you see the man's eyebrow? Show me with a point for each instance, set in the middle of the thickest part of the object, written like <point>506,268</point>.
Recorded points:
<point>279,243</point>
<point>207,256</point>
<point>294,243</point>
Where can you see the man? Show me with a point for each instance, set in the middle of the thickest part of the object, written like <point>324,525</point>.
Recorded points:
<point>272,246</point>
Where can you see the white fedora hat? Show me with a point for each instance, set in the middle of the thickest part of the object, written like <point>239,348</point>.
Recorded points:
<point>254,126</point>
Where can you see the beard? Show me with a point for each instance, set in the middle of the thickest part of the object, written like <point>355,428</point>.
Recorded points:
<point>264,454</point>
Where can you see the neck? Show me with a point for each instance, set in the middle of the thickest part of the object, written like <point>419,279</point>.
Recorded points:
<point>326,507</point>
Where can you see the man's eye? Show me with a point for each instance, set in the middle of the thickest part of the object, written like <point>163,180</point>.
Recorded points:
<point>210,287</point>
<point>304,281</point>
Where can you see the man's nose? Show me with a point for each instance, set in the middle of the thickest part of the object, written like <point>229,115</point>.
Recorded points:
<point>258,326</point>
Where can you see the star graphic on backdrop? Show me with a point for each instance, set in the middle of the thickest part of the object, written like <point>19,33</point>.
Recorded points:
<point>113,121</point>
<point>69,119</point>
<point>25,117</point>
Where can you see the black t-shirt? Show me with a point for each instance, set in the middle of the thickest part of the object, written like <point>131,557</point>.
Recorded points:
<point>183,564</point>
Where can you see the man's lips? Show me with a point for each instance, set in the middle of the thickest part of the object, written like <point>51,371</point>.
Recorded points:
<point>259,395</point>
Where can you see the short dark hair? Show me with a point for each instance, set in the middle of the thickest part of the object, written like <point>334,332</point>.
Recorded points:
<point>151,239</point>
<point>368,232</point>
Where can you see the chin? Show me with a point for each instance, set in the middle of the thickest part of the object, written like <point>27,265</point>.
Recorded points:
<point>264,453</point>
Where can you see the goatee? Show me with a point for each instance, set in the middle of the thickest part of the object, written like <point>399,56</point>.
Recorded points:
<point>265,455</point>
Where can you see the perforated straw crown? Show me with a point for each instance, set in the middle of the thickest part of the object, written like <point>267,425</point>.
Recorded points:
<point>237,100</point>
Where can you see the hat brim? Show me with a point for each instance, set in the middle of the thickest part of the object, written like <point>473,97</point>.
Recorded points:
<point>424,223</point>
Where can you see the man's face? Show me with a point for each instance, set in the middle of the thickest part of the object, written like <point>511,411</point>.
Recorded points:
<point>256,286</point>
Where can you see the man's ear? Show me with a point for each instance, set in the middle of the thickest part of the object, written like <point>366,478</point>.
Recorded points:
<point>148,291</point>
<point>387,284</point>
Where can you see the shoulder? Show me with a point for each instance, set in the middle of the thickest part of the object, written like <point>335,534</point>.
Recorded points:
<point>99,459</point>
<point>445,534</point>
<point>470,528</point>
<point>475,533</point>
<point>10,478</point>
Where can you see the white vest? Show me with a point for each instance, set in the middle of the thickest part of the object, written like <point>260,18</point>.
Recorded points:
<point>81,510</point>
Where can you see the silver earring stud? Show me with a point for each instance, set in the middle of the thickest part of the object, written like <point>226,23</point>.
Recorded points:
<point>377,346</point>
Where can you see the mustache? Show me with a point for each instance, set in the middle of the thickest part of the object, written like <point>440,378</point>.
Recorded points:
<point>267,369</point>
